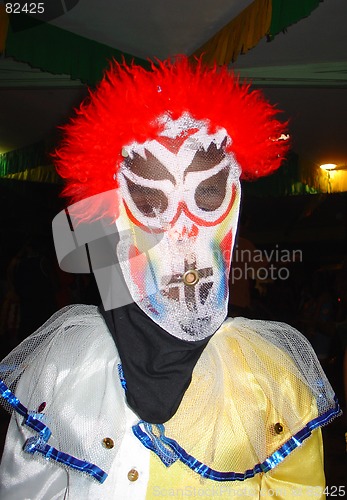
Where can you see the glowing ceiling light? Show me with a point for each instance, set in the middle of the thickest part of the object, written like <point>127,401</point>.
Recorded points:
<point>328,166</point>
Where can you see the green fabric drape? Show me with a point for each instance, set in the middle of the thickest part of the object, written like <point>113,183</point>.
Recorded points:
<point>287,12</point>
<point>43,174</point>
<point>287,180</point>
<point>58,51</point>
<point>31,163</point>
<point>25,158</point>
<point>3,27</point>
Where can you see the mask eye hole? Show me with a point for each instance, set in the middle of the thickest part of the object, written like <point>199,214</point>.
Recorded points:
<point>149,168</point>
<point>148,201</point>
<point>210,193</point>
<point>204,160</point>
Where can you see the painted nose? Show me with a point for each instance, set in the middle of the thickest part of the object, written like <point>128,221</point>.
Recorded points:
<point>183,233</point>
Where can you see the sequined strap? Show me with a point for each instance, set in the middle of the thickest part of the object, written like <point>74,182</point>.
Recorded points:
<point>168,450</point>
<point>38,444</point>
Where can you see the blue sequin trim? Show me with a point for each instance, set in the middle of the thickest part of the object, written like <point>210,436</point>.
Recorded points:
<point>121,377</point>
<point>155,442</point>
<point>38,444</point>
<point>205,471</point>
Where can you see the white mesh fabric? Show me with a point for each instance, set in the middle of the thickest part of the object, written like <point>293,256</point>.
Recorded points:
<point>182,188</point>
<point>251,376</point>
<point>71,365</point>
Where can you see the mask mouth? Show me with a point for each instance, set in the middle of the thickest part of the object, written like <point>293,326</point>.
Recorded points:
<point>193,328</point>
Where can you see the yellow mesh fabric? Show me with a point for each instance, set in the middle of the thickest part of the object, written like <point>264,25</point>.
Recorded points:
<point>243,387</point>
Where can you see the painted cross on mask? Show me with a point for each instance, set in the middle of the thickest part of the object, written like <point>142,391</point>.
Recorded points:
<point>190,279</point>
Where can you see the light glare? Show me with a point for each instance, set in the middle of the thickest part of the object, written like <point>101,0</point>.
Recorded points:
<point>328,166</point>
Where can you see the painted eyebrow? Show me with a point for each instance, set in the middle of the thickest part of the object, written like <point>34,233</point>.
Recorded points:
<point>148,168</point>
<point>205,160</point>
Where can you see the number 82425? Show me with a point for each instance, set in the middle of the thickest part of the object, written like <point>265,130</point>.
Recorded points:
<point>27,8</point>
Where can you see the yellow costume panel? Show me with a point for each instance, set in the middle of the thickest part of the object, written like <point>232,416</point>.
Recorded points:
<point>301,476</point>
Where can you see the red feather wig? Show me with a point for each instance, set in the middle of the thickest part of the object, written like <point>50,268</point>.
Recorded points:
<point>126,106</point>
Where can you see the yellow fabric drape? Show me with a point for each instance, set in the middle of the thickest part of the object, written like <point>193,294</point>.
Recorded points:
<point>238,36</point>
<point>3,27</point>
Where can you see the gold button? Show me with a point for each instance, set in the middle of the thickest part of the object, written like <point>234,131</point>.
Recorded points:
<point>133,475</point>
<point>108,443</point>
<point>278,428</point>
<point>191,277</point>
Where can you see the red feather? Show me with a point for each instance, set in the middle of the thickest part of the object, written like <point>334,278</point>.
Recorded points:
<point>125,107</point>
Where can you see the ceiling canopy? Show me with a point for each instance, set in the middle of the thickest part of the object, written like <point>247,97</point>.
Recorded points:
<point>295,51</point>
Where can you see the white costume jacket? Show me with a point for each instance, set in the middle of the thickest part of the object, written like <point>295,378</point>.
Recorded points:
<point>248,425</point>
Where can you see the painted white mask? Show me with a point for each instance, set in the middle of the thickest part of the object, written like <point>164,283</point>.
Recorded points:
<point>183,187</point>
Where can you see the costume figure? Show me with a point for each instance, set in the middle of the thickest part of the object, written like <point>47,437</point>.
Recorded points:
<point>162,395</point>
